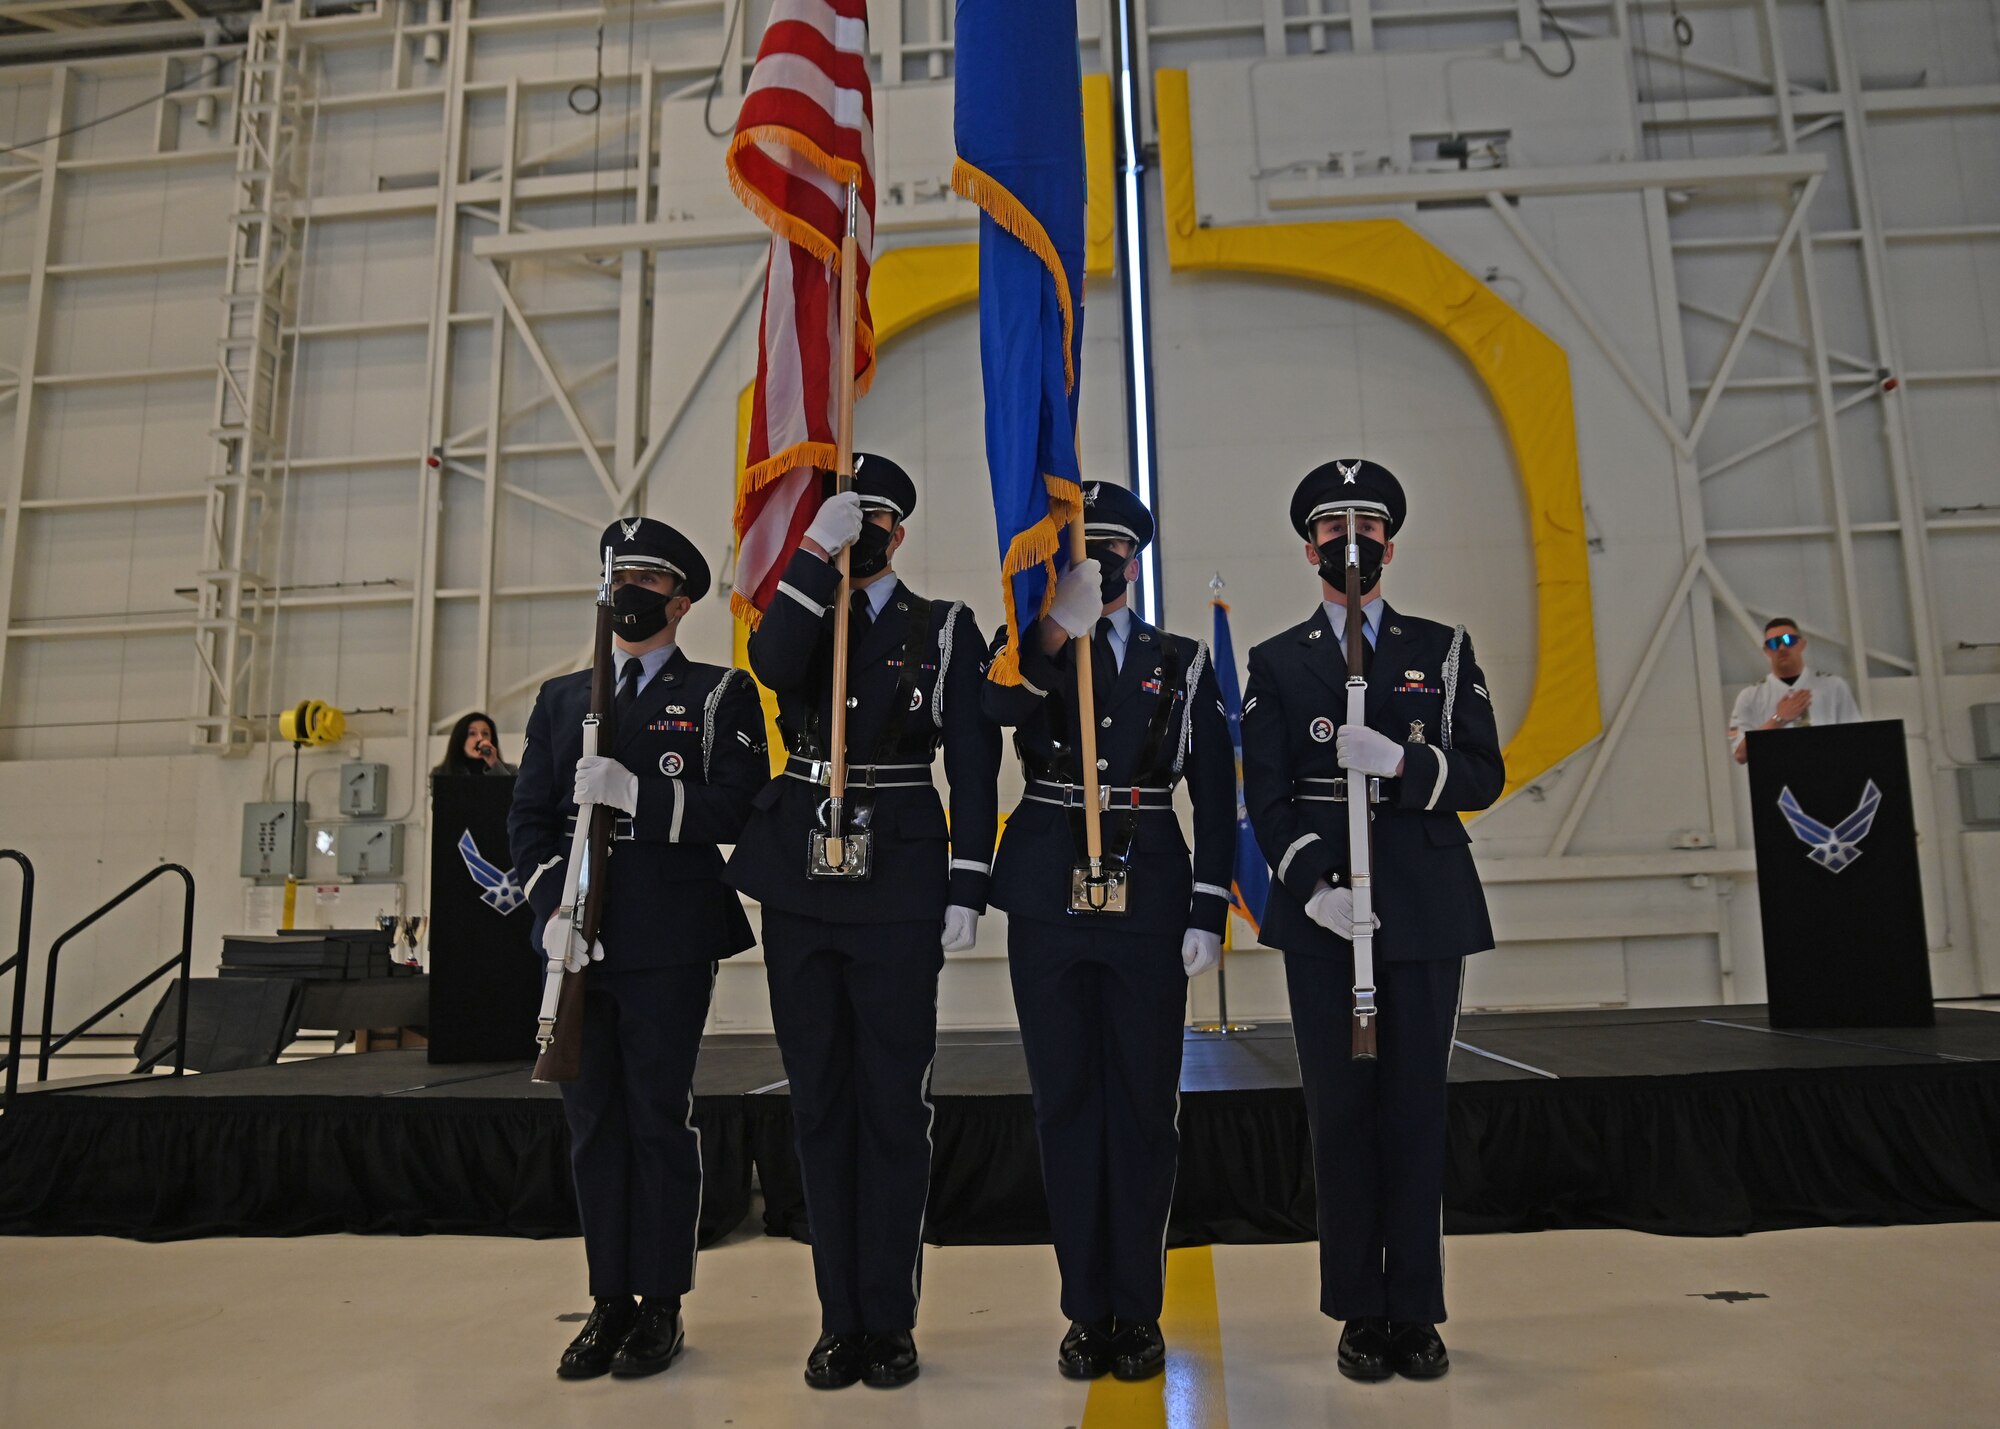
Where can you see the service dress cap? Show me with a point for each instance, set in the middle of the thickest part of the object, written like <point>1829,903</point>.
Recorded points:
<point>1114,513</point>
<point>1349,485</point>
<point>640,543</point>
<point>884,486</point>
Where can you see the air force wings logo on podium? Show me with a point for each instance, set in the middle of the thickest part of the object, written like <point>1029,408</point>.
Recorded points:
<point>497,888</point>
<point>1832,848</point>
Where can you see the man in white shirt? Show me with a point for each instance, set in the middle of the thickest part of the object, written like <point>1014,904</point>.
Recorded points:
<point>1791,696</point>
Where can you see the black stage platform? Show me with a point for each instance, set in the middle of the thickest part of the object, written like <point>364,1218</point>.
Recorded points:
<point>1698,1121</point>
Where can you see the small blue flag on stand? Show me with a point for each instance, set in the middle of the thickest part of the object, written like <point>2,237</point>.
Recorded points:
<point>1019,127</point>
<point>1250,881</point>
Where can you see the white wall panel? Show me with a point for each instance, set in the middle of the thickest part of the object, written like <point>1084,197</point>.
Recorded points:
<point>1255,382</point>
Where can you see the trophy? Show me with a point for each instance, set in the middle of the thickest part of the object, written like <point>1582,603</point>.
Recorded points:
<point>407,930</point>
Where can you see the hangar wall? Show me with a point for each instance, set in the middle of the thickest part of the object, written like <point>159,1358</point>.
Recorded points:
<point>406,592</point>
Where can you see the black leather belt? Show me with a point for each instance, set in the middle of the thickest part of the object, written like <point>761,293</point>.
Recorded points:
<point>1110,796</point>
<point>1334,790</point>
<point>622,832</point>
<point>860,776</point>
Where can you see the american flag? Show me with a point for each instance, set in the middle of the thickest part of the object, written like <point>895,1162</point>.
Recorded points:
<point>806,128</point>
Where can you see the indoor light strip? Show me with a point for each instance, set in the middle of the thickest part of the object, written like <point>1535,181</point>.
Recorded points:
<point>1138,338</point>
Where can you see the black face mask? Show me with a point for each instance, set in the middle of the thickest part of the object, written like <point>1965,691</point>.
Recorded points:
<point>870,552</point>
<point>638,614</point>
<point>1333,562</point>
<point>1112,567</point>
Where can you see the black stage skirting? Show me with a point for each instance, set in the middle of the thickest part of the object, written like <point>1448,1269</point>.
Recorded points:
<point>1689,1121</point>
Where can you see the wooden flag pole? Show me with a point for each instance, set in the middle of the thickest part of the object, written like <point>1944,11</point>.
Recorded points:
<point>836,842</point>
<point>1086,719</point>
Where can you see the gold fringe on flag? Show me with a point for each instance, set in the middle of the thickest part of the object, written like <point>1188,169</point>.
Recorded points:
<point>1036,546</point>
<point>1011,214</point>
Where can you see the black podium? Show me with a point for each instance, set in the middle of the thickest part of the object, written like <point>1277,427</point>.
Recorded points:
<point>1837,883</point>
<point>486,978</point>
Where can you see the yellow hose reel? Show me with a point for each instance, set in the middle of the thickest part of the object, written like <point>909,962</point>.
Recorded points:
<point>312,723</point>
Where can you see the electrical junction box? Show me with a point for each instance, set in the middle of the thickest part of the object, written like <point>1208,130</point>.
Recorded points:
<point>365,851</point>
<point>1979,795</point>
<point>274,842</point>
<point>1986,731</point>
<point>364,790</point>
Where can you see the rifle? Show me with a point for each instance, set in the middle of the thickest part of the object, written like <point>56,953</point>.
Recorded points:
<point>559,1028</point>
<point>1360,799</point>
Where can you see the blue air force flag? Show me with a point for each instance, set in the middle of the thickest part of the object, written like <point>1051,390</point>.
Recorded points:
<point>1250,881</point>
<point>1019,128</point>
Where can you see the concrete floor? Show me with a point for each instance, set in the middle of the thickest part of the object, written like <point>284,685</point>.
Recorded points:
<point>1859,1327</point>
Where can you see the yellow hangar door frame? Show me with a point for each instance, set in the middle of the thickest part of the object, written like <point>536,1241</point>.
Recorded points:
<point>1523,368</point>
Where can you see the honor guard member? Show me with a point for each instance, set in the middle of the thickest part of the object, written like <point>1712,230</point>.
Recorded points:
<point>687,753</point>
<point>853,962</point>
<point>1430,751</point>
<point>1102,996</point>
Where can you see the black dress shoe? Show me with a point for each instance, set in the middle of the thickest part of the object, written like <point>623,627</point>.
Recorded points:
<point>1417,1351</point>
<point>1365,1349</point>
<point>837,1361</point>
<point>1138,1351</point>
<point>1086,1350</point>
<point>653,1341</point>
<point>596,1344</point>
<point>892,1360</point>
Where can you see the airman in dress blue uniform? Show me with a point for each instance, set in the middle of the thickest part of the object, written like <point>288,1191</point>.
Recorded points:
<point>1102,997</point>
<point>686,754</point>
<point>1431,746</point>
<point>853,964</point>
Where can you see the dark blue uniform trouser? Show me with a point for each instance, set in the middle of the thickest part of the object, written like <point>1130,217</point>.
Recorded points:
<point>855,1008</point>
<point>1103,1011</point>
<point>633,1148</point>
<point>1378,1130</point>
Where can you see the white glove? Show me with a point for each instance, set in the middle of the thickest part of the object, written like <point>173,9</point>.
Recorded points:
<point>556,942</point>
<point>837,524</point>
<point>605,781</point>
<point>1200,951</point>
<point>1079,602</point>
<point>1333,910</point>
<point>961,929</point>
<point>1366,751</point>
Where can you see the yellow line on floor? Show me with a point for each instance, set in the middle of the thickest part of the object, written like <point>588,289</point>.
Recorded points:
<point>1190,1394</point>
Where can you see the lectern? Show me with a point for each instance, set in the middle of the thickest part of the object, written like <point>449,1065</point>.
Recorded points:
<point>1837,883</point>
<point>486,976</point>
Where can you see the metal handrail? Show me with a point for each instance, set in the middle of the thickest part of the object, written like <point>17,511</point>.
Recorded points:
<point>19,964</point>
<point>184,959</point>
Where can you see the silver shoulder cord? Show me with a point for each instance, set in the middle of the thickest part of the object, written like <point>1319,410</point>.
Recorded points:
<point>708,709</point>
<point>1451,681</point>
<point>1188,687</point>
<point>944,661</point>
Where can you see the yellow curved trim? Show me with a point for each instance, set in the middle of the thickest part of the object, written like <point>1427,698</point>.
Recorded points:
<point>1524,369</point>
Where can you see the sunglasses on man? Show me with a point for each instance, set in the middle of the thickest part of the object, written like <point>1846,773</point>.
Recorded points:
<point>1783,642</point>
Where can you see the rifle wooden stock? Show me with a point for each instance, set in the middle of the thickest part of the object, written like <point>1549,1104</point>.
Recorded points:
<point>588,876</point>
